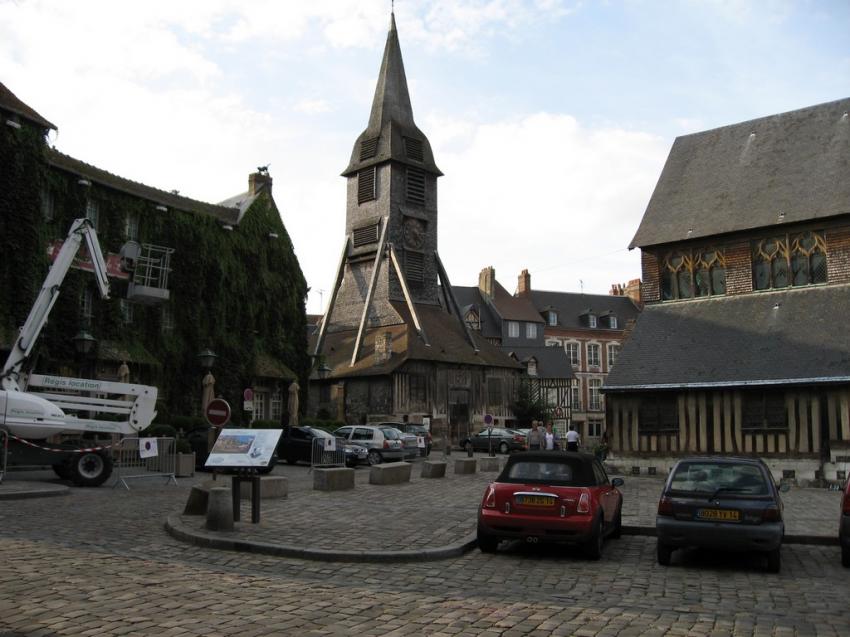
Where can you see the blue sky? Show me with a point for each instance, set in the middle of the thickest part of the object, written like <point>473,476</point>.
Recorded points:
<point>551,119</point>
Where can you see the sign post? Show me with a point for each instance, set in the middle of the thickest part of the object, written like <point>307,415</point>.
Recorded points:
<point>248,403</point>
<point>488,420</point>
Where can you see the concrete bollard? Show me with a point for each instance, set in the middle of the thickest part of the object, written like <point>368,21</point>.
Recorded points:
<point>488,464</point>
<point>220,510</point>
<point>465,465</point>
<point>197,503</point>
<point>433,469</point>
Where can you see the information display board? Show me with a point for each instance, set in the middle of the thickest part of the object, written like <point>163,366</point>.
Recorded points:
<point>243,448</point>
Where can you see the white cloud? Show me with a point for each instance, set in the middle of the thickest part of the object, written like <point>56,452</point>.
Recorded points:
<point>545,193</point>
<point>312,106</point>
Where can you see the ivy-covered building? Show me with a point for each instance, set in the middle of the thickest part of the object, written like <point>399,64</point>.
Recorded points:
<point>222,277</point>
<point>393,342</point>
<point>742,346</point>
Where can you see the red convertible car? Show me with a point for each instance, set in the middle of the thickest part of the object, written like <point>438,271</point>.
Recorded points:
<point>551,496</point>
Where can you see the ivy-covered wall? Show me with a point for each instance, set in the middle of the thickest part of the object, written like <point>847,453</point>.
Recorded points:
<point>237,292</point>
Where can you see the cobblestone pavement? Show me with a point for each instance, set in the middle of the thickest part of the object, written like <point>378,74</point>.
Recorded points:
<point>97,562</point>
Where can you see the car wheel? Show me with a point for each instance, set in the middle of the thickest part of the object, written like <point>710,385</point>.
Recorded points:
<point>593,548</point>
<point>503,448</point>
<point>774,561</point>
<point>664,554</point>
<point>374,457</point>
<point>617,531</point>
<point>845,557</point>
<point>487,543</point>
<point>90,469</point>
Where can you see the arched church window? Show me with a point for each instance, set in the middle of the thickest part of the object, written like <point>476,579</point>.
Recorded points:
<point>688,274</point>
<point>797,259</point>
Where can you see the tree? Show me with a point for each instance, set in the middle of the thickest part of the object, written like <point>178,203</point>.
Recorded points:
<point>528,406</point>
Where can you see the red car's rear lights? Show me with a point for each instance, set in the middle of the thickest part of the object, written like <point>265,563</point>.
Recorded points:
<point>517,438</point>
<point>490,498</point>
<point>665,506</point>
<point>771,514</point>
<point>583,504</point>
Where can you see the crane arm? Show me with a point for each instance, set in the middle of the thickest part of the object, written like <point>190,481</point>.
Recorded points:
<point>81,229</point>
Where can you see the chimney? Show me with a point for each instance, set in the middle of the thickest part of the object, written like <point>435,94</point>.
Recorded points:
<point>258,182</point>
<point>383,348</point>
<point>633,291</point>
<point>617,289</point>
<point>486,278</point>
<point>523,288</point>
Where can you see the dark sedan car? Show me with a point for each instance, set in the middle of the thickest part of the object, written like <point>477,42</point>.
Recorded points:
<point>547,496</point>
<point>722,503</point>
<point>298,444</point>
<point>502,440</point>
<point>844,527</point>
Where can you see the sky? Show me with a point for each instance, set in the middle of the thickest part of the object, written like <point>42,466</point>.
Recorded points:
<point>551,119</point>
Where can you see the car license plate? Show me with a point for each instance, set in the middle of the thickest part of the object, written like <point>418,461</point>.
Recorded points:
<point>719,515</point>
<point>535,500</point>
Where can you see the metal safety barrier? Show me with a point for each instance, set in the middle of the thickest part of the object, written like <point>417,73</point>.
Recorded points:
<point>320,456</point>
<point>129,461</point>
<point>4,450</point>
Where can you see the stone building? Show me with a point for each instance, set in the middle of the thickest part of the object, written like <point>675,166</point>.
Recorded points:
<point>392,342</point>
<point>193,286</point>
<point>742,347</point>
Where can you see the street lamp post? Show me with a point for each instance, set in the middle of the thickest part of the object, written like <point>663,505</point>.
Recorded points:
<point>206,359</point>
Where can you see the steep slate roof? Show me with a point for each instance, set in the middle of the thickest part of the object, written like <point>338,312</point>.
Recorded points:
<point>571,305</point>
<point>10,102</point>
<point>514,308</point>
<point>552,362</point>
<point>743,176</point>
<point>448,344</point>
<point>471,296</point>
<point>793,336</point>
<point>154,195</point>
<point>391,117</point>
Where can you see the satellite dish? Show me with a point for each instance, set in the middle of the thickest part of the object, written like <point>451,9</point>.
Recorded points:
<point>130,253</point>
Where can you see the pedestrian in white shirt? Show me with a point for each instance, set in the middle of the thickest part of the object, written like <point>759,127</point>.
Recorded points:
<point>573,439</point>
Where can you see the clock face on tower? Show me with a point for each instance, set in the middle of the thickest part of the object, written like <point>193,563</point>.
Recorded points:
<point>414,233</point>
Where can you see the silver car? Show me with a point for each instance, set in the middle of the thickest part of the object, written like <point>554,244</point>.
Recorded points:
<point>723,503</point>
<point>384,444</point>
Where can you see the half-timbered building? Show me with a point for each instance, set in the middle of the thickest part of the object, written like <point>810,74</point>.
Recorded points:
<point>742,347</point>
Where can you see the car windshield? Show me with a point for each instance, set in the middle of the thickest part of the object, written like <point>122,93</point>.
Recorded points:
<point>719,478</point>
<point>390,433</point>
<point>320,433</point>
<point>557,472</point>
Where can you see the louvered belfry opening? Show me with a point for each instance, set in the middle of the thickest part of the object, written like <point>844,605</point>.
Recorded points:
<point>414,266</point>
<point>415,192</point>
<point>413,148</point>
<point>365,235</point>
<point>366,185</point>
<point>368,148</point>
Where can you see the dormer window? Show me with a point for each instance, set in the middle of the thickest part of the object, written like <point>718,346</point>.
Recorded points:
<point>612,322</point>
<point>552,318</point>
<point>472,320</point>
<point>591,320</point>
<point>532,367</point>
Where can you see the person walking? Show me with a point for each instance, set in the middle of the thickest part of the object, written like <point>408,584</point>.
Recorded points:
<point>551,438</point>
<point>573,439</point>
<point>535,437</point>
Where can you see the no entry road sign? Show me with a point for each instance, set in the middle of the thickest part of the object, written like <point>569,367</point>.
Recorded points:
<point>218,412</point>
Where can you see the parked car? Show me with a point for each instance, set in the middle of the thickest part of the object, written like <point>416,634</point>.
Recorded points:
<point>503,440</point>
<point>546,496</point>
<point>844,527</point>
<point>409,441</point>
<point>297,444</point>
<point>383,443</point>
<point>723,503</point>
<point>419,431</point>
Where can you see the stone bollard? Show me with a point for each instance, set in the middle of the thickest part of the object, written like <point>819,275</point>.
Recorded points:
<point>488,464</point>
<point>220,510</point>
<point>465,465</point>
<point>197,503</point>
<point>433,469</point>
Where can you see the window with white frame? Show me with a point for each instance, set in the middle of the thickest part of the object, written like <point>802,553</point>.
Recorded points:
<point>593,353</point>
<point>276,405</point>
<point>573,353</point>
<point>131,226</point>
<point>591,320</point>
<point>260,405</point>
<point>552,318</point>
<point>612,322</point>
<point>613,351</point>
<point>531,330</point>
<point>92,212</point>
<point>594,385</point>
<point>532,367</point>
<point>575,398</point>
<point>513,329</point>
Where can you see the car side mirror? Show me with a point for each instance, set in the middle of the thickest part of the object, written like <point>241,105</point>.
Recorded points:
<point>617,482</point>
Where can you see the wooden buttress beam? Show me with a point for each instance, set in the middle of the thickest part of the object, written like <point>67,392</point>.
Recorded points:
<point>340,271</point>
<point>447,286</point>
<point>379,255</point>
<point>407,297</point>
